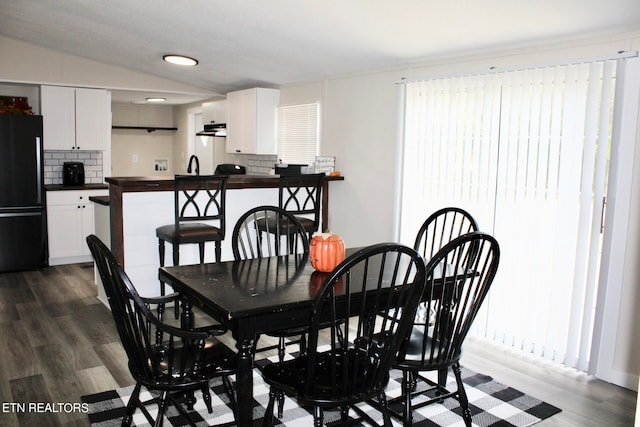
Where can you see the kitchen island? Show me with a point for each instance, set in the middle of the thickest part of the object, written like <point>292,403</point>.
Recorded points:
<point>138,205</point>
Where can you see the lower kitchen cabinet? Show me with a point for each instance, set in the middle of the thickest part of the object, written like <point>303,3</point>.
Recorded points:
<point>70,219</point>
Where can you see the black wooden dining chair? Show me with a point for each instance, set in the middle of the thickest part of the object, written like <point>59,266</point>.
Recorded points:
<point>198,201</point>
<point>169,360</point>
<point>251,240</point>
<point>269,231</point>
<point>458,279</point>
<point>441,227</point>
<point>338,373</point>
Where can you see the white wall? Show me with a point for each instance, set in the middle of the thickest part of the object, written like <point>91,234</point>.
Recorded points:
<point>133,152</point>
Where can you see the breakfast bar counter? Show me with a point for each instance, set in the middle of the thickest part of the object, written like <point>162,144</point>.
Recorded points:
<point>138,205</point>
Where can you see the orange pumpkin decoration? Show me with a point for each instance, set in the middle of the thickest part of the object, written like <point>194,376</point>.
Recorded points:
<point>326,251</point>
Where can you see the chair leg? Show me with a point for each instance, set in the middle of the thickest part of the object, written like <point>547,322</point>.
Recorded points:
<point>386,415</point>
<point>267,421</point>
<point>161,255</point>
<point>407,385</point>
<point>280,398</point>
<point>161,251</point>
<point>176,254</point>
<point>134,401</point>
<point>442,377</point>
<point>206,396</point>
<point>160,310</point>
<point>162,407</point>
<point>303,343</point>
<point>462,395</point>
<point>280,394</point>
<point>201,251</point>
<point>218,250</point>
<point>190,399</point>
<point>344,414</point>
<point>318,417</point>
<point>232,397</point>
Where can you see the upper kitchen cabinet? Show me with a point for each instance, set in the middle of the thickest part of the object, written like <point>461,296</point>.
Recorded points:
<point>252,121</point>
<point>75,118</point>
<point>214,112</point>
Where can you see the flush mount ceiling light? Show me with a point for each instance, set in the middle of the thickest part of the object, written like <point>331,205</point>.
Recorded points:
<point>180,60</point>
<point>156,99</point>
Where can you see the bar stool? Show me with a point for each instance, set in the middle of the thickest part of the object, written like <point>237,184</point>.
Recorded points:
<point>300,196</point>
<point>196,199</point>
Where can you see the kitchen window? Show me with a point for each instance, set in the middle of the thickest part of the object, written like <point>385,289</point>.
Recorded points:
<point>299,133</point>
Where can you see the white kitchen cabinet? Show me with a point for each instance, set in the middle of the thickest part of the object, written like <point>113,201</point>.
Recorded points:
<point>70,219</point>
<point>75,118</point>
<point>252,121</point>
<point>214,112</point>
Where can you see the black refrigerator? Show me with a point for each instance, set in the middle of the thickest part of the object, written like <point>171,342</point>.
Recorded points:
<point>23,220</point>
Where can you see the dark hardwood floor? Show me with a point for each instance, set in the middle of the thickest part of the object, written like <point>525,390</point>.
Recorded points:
<point>58,342</point>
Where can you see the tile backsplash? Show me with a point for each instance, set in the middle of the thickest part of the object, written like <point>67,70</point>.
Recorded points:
<point>53,161</point>
<point>260,164</point>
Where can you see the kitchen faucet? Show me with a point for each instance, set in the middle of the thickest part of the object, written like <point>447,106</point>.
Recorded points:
<point>191,159</point>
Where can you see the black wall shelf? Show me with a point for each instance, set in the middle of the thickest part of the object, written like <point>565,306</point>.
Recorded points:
<point>147,128</point>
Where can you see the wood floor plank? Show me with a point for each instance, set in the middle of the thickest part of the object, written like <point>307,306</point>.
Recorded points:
<point>83,355</point>
<point>28,391</point>
<point>96,380</point>
<point>115,360</point>
<point>18,358</point>
<point>37,324</point>
<point>96,323</point>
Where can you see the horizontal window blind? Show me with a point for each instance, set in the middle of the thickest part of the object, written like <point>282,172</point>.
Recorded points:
<point>298,133</point>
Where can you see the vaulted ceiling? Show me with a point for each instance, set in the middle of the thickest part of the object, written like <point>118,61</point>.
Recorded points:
<point>246,43</point>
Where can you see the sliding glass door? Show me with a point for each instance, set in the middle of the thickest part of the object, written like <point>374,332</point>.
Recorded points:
<point>526,152</point>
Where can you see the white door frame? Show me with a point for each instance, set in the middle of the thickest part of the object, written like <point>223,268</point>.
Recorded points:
<point>612,332</point>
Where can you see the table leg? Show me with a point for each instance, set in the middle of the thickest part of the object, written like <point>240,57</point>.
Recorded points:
<point>186,319</point>
<point>244,382</point>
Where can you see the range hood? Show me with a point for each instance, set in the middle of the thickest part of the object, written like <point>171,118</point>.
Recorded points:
<point>214,129</point>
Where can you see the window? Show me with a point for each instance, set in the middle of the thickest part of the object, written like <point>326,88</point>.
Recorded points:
<point>298,133</point>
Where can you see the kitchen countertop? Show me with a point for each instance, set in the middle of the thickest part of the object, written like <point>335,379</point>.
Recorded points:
<point>60,187</point>
<point>161,183</point>
<point>101,200</point>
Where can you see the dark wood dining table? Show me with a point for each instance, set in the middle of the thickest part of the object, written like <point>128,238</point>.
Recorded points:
<point>252,297</point>
<point>249,297</point>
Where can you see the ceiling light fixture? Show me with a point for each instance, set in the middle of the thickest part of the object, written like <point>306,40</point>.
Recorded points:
<point>156,99</point>
<point>180,60</point>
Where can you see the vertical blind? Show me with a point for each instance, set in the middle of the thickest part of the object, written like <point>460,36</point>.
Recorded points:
<point>298,133</point>
<point>526,152</point>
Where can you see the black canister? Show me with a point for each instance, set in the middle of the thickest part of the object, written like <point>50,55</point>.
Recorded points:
<point>73,173</point>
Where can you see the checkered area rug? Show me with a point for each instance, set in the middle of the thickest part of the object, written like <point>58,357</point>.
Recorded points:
<point>491,403</point>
